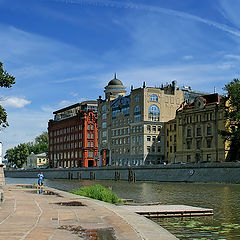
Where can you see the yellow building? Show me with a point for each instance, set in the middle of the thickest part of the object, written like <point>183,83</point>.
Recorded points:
<point>37,160</point>
<point>197,131</point>
<point>171,141</point>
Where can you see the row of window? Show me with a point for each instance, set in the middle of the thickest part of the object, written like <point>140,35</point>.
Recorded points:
<point>71,137</point>
<point>154,149</point>
<point>70,155</point>
<point>154,138</point>
<point>197,158</point>
<point>198,144</point>
<point>67,130</point>
<point>154,128</point>
<point>199,131</point>
<point>199,118</point>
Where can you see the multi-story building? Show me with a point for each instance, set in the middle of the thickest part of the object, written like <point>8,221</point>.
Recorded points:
<point>73,136</point>
<point>196,134</point>
<point>131,128</point>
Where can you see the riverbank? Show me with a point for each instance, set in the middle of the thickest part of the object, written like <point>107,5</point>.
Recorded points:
<point>26,214</point>
<point>199,172</point>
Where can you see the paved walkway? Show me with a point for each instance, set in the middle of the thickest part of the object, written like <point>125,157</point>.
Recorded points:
<point>24,214</point>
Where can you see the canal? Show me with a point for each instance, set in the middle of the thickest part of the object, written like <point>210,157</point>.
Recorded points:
<point>223,198</point>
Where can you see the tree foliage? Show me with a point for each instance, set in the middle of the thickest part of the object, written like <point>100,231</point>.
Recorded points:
<point>40,144</point>
<point>17,156</point>
<point>232,111</point>
<point>6,80</point>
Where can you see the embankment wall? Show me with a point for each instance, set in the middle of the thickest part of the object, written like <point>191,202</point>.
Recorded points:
<point>208,172</point>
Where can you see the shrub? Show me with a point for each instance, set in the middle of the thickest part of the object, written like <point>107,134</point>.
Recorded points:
<point>98,192</point>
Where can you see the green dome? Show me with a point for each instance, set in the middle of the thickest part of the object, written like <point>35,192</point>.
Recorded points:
<point>115,81</point>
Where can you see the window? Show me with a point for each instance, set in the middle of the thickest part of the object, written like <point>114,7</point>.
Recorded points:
<point>88,127</point>
<point>104,125</point>
<point>153,138</point>
<point>154,98</point>
<point>92,127</point>
<point>159,128</point>
<point>198,131</point>
<point>188,158</point>
<point>90,154</point>
<point>153,149</point>
<point>209,141</point>
<point>208,157</point>
<point>149,128</point>
<point>170,138</point>
<point>148,138</point>
<point>189,132</point>
<point>137,98</point>
<point>159,149</point>
<point>153,113</point>
<point>209,130</point>
<point>137,114</point>
<point>175,138</point>
<point>148,149</point>
<point>104,108</point>
<point>154,128</point>
<point>104,134</point>
<point>175,148</point>
<point>104,116</point>
<point>189,144</point>
<point>170,149</point>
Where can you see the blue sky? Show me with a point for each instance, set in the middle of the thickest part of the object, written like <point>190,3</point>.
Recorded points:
<point>65,51</point>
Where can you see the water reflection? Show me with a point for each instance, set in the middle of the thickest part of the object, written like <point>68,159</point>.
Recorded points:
<point>223,198</point>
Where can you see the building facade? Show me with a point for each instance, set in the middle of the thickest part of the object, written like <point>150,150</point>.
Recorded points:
<point>37,161</point>
<point>131,127</point>
<point>73,136</point>
<point>196,134</point>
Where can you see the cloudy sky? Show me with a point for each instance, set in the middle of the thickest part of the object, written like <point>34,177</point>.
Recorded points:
<point>65,51</point>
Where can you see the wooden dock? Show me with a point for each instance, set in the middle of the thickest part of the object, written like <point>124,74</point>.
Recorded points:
<point>169,210</point>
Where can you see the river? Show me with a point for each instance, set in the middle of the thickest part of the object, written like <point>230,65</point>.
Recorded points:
<point>224,199</point>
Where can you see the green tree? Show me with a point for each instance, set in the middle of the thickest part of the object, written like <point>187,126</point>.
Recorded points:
<point>232,111</point>
<point>40,144</point>
<point>6,80</point>
<point>18,155</point>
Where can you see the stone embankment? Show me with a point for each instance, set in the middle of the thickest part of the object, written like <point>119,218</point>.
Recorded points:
<point>202,172</point>
<point>30,213</point>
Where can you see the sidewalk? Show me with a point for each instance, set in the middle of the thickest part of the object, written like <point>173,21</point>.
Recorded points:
<point>24,214</point>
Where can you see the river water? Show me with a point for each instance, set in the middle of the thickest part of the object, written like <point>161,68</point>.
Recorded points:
<point>224,199</point>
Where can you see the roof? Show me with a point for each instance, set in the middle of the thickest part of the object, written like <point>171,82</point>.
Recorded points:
<point>75,105</point>
<point>115,81</point>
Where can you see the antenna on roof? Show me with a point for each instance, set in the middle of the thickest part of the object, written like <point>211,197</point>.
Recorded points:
<point>115,75</point>
<point>214,89</point>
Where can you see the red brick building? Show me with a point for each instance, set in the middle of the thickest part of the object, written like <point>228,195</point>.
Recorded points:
<point>73,136</point>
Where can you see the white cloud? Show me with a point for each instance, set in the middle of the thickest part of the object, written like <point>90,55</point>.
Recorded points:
<point>65,103</point>
<point>15,102</point>
<point>187,57</point>
<point>232,56</point>
<point>150,8</point>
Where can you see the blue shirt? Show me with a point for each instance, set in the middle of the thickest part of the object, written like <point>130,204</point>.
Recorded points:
<point>40,176</point>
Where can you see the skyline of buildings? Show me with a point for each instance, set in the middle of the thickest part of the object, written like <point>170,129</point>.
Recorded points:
<point>139,128</point>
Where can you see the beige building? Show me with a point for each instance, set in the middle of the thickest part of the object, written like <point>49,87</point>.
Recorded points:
<point>36,160</point>
<point>131,127</point>
<point>196,135</point>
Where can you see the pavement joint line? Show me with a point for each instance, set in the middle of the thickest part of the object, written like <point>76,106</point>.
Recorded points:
<point>14,210</point>
<point>37,221</point>
<point>134,229</point>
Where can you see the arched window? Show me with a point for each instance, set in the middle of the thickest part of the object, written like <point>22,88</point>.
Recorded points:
<point>137,114</point>
<point>153,113</point>
<point>154,98</point>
